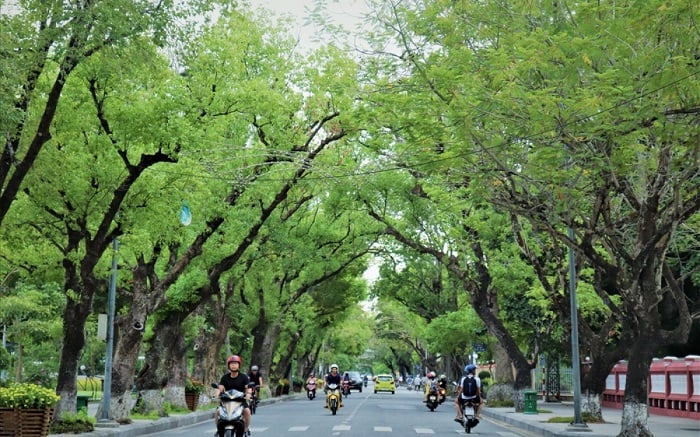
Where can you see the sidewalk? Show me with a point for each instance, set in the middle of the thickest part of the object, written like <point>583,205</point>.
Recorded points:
<point>142,427</point>
<point>661,426</point>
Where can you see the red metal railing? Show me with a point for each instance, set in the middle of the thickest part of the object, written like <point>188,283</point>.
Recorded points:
<point>674,386</point>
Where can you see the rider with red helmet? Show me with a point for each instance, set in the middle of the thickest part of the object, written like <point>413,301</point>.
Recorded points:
<point>236,380</point>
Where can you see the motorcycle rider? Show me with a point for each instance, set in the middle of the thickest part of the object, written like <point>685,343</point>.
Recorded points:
<point>346,382</point>
<point>430,383</point>
<point>256,377</point>
<point>442,381</point>
<point>235,380</point>
<point>311,383</point>
<point>442,384</point>
<point>333,377</point>
<point>460,399</point>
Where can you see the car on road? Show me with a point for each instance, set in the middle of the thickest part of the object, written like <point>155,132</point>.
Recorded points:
<point>355,380</point>
<point>384,383</point>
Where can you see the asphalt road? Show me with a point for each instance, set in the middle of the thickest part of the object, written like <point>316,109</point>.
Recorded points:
<point>363,414</point>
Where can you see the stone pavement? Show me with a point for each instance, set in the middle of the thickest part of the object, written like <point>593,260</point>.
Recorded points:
<point>661,426</point>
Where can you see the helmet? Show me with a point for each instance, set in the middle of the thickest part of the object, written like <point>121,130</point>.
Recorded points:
<point>254,368</point>
<point>334,365</point>
<point>233,358</point>
<point>431,375</point>
<point>443,377</point>
<point>470,368</point>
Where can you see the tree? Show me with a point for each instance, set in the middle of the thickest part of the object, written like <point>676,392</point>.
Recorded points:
<point>548,121</point>
<point>48,42</point>
<point>624,185</point>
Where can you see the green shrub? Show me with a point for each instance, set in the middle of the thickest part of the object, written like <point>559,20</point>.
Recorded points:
<point>484,374</point>
<point>73,424</point>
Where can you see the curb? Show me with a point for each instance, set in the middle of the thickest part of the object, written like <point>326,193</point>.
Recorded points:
<point>141,427</point>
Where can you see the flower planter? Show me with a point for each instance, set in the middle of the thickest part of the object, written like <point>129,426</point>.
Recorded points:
<point>192,401</point>
<point>8,422</point>
<point>25,422</point>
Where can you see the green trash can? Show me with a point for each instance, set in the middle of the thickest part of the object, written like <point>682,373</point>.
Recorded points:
<point>82,402</point>
<point>530,402</point>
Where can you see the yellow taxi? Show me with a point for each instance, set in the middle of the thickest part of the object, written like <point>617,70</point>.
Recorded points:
<point>384,383</point>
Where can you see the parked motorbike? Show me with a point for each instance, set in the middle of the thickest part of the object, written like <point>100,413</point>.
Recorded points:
<point>311,390</point>
<point>229,421</point>
<point>333,398</point>
<point>432,402</point>
<point>468,420</point>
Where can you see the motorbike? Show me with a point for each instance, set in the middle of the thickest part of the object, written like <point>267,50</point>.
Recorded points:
<point>468,420</point>
<point>311,390</point>
<point>229,422</point>
<point>365,381</point>
<point>346,388</point>
<point>333,398</point>
<point>442,394</point>
<point>254,398</point>
<point>432,402</point>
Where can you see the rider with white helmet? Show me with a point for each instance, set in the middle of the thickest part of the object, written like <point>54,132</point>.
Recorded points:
<point>333,377</point>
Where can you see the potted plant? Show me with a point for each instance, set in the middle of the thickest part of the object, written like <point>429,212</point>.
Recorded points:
<point>193,388</point>
<point>29,404</point>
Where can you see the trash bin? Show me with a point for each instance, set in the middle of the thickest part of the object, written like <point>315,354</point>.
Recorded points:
<point>82,402</point>
<point>530,402</point>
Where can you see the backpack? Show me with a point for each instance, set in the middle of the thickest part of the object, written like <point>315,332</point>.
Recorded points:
<point>469,389</point>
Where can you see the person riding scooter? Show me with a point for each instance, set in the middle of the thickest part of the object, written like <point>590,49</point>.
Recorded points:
<point>311,385</point>
<point>473,384</point>
<point>235,380</point>
<point>430,383</point>
<point>442,388</point>
<point>333,377</point>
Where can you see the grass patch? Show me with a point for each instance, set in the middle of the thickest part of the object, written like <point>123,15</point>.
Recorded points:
<point>587,418</point>
<point>495,403</point>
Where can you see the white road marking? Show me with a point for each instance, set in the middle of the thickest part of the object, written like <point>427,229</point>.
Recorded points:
<point>298,428</point>
<point>424,431</point>
<point>341,428</point>
<point>382,429</point>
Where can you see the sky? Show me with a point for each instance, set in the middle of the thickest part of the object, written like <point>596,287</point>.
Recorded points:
<point>348,13</point>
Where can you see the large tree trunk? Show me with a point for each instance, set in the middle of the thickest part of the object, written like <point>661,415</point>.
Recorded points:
<point>208,365</point>
<point>284,365</point>
<point>503,373</point>
<point>636,408</point>
<point>165,366</point>
<point>74,316</point>
<point>127,347</point>
<point>269,342</point>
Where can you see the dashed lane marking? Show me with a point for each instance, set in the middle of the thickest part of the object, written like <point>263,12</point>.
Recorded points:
<point>383,429</point>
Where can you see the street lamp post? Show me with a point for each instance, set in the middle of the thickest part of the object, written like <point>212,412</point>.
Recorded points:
<point>578,424</point>
<point>105,419</point>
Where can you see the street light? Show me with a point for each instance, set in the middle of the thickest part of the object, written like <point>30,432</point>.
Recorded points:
<point>578,424</point>
<point>105,419</point>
